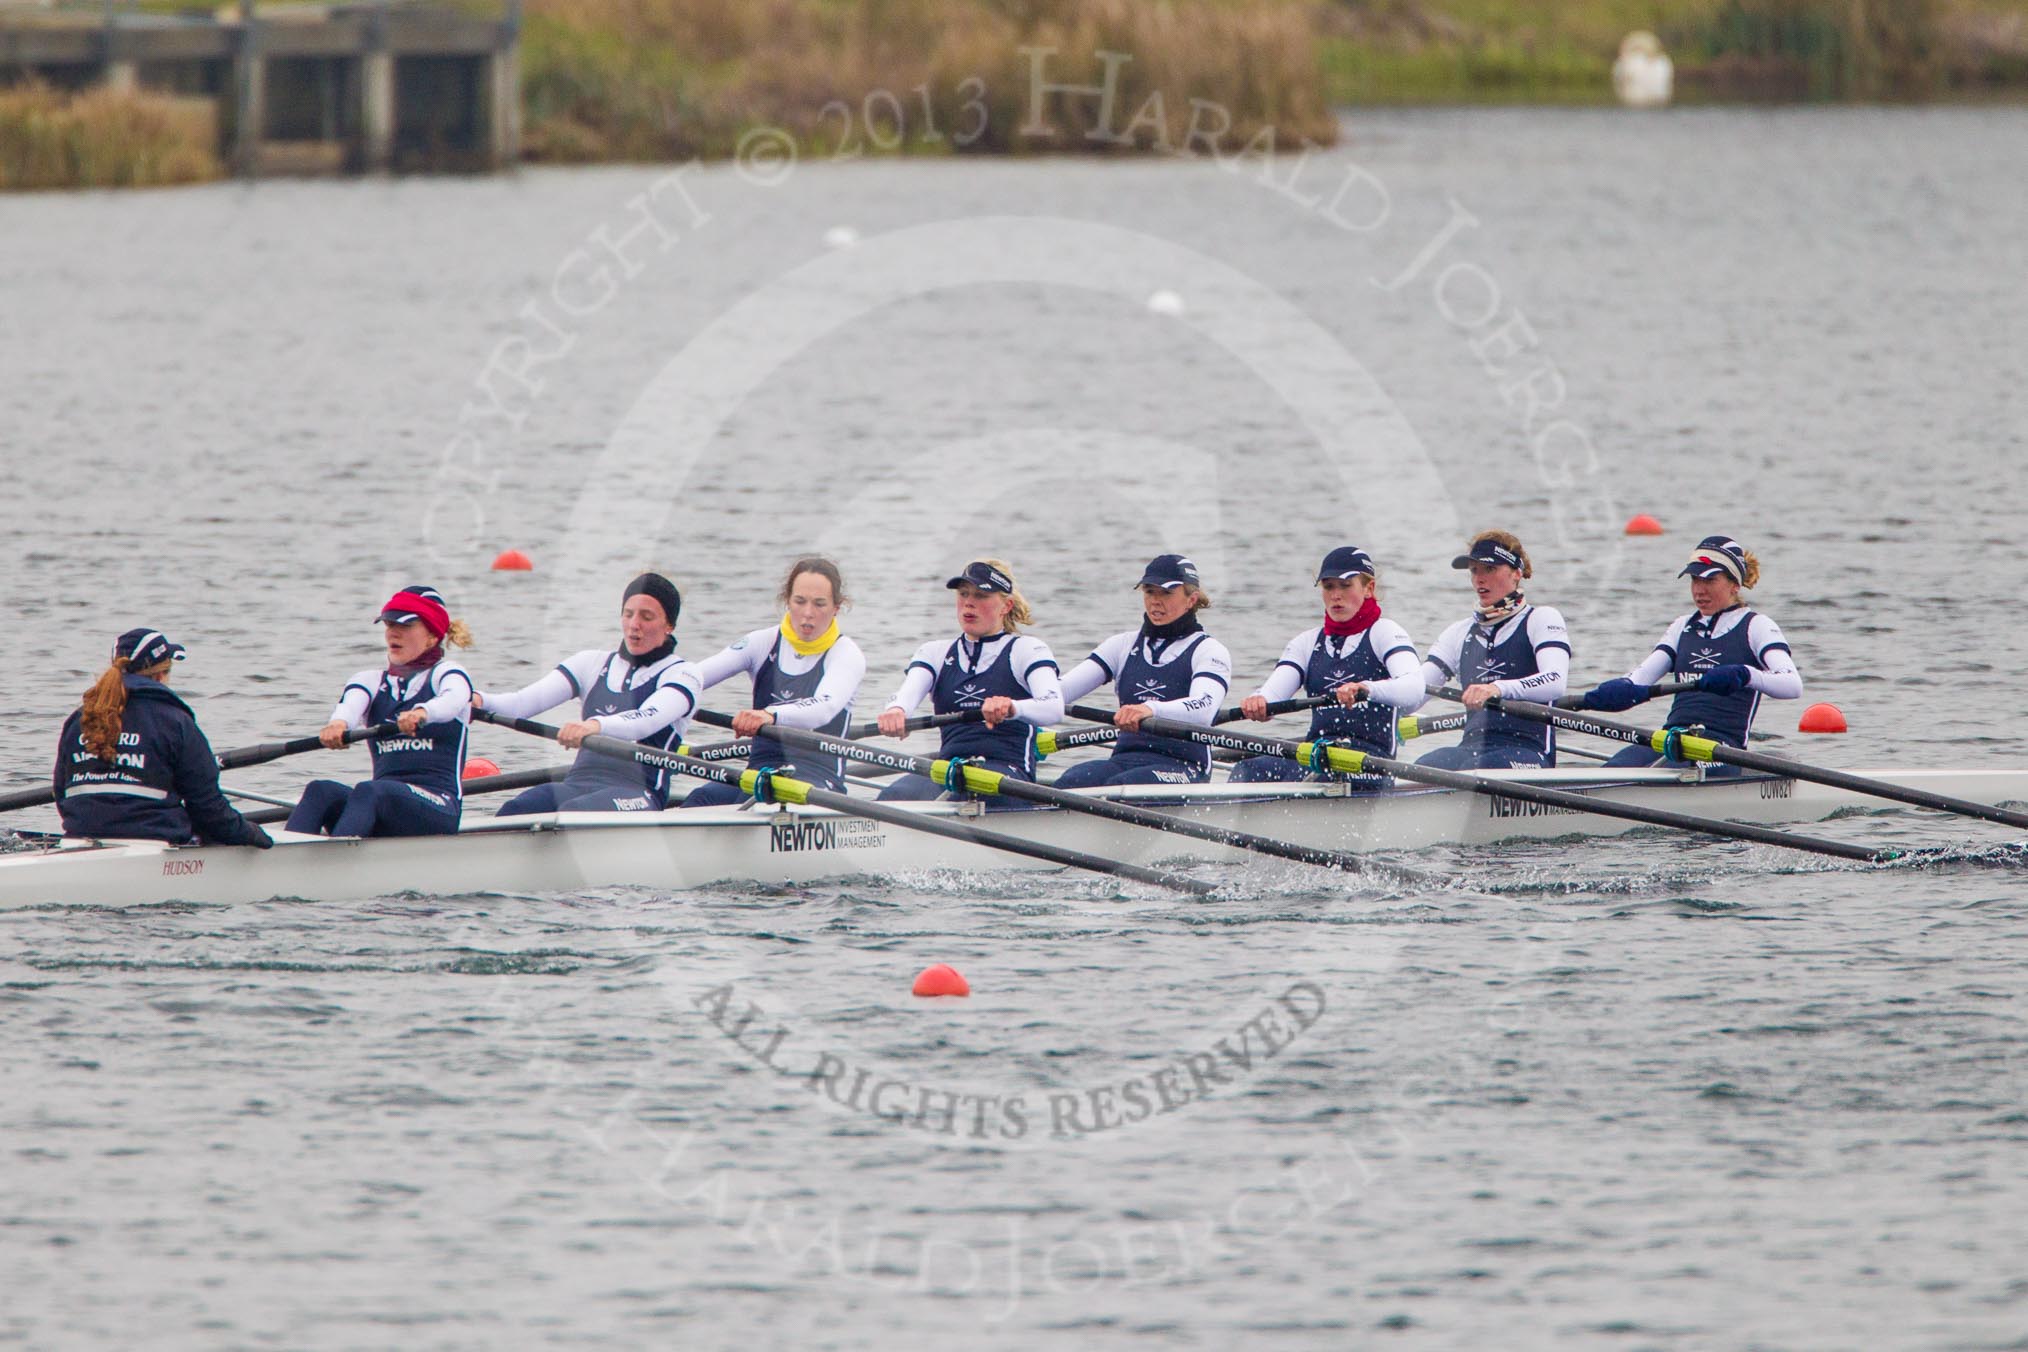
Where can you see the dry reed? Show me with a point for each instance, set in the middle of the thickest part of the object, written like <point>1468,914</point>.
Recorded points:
<point>105,138</point>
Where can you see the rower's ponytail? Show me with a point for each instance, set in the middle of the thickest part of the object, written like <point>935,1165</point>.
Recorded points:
<point>105,707</point>
<point>1751,571</point>
<point>458,634</point>
<point>1018,612</point>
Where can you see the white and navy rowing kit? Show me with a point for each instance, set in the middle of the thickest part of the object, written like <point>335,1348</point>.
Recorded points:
<point>961,674</point>
<point>1694,646</point>
<point>1316,662</point>
<point>433,758</point>
<point>647,700</point>
<point>417,786</point>
<point>812,690</point>
<point>1178,671</point>
<point>1527,655</point>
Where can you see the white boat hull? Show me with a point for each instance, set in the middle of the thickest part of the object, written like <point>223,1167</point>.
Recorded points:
<point>679,849</point>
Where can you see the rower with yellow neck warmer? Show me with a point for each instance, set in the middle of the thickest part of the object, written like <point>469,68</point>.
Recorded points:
<point>805,674</point>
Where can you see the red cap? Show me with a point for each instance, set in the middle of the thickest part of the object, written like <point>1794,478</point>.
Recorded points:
<point>418,603</point>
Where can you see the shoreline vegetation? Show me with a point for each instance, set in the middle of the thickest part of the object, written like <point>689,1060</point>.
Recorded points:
<point>666,80</point>
<point>105,138</point>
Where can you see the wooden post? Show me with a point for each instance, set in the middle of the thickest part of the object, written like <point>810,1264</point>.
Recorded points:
<point>250,105</point>
<point>376,95</point>
<point>121,72</point>
<point>504,114</point>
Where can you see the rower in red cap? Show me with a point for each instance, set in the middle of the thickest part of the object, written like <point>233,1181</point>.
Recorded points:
<point>416,788</point>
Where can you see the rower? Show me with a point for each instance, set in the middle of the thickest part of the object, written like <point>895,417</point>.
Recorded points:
<point>1168,668</point>
<point>131,762</point>
<point>1735,655</point>
<point>1507,649</point>
<point>1009,677</point>
<point>805,674</point>
<point>640,691</point>
<point>415,789</point>
<point>1363,659</point>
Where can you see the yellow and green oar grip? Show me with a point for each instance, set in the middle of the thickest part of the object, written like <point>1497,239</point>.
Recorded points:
<point>1408,727</point>
<point>1045,744</point>
<point>781,788</point>
<point>975,779</point>
<point>1681,746</point>
<point>1316,756</point>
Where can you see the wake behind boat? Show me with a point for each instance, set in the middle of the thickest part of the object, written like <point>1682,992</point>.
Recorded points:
<point>785,843</point>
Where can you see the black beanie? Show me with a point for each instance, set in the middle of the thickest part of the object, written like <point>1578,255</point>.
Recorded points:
<point>661,588</point>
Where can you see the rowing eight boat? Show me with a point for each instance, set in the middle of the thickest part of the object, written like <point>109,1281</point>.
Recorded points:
<point>676,849</point>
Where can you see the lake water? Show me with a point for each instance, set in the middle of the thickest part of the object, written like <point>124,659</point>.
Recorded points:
<point>1656,1093</point>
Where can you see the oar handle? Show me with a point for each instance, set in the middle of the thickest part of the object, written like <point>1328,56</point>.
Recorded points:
<point>1233,713</point>
<point>1573,701</point>
<point>1230,714</point>
<point>920,723</point>
<point>241,757</point>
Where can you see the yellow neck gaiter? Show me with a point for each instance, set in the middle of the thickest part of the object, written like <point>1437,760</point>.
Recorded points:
<point>822,643</point>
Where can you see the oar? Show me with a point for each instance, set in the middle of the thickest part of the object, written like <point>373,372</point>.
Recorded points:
<point>1048,743</point>
<point>781,788</point>
<point>236,759</point>
<point>1322,756</point>
<point>916,724</point>
<point>1659,688</point>
<point>1412,726</point>
<point>1687,747</point>
<point>978,779</point>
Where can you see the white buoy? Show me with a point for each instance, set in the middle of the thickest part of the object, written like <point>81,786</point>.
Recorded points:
<point>1165,303</point>
<point>1644,76</point>
<point>840,237</point>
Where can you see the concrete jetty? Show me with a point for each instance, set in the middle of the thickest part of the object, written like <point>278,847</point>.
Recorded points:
<point>340,88</point>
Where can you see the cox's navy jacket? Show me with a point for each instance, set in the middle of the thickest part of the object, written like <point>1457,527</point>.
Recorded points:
<point>161,785</point>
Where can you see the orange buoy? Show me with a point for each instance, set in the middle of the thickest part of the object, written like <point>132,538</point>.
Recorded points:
<point>479,767</point>
<point>512,561</point>
<point>1640,525</point>
<point>1822,718</point>
<point>941,979</point>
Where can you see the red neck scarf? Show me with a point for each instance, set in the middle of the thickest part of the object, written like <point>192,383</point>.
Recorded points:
<point>1369,611</point>
<point>404,670</point>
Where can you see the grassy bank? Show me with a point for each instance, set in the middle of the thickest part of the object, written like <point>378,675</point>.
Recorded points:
<point>664,79</point>
<point>1478,51</point>
<point>104,139</point>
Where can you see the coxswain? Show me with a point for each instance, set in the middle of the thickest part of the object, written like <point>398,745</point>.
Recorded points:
<point>639,692</point>
<point>1507,649</point>
<point>1362,659</point>
<point>1734,654</point>
<point>805,675</point>
<point>1168,668</point>
<point>132,764</point>
<point>415,789</point>
<point>1008,677</point>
